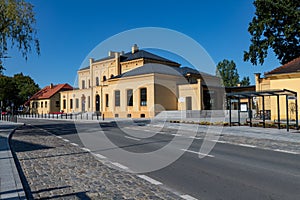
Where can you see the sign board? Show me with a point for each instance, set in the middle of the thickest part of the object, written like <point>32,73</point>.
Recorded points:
<point>181,99</point>
<point>244,107</point>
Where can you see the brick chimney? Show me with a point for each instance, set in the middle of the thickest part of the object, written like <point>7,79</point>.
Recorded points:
<point>51,85</point>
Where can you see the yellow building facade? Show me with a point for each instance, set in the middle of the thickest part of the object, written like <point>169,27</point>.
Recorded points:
<point>138,84</point>
<point>283,77</point>
<point>47,100</point>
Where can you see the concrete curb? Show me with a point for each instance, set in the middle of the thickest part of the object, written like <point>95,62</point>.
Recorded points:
<point>14,189</point>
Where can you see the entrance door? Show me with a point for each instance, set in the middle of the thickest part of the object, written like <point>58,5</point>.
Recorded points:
<point>97,103</point>
<point>83,103</point>
<point>188,101</point>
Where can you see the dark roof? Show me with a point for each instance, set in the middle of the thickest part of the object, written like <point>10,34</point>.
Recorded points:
<point>261,93</point>
<point>290,67</point>
<point>84,68</point>
<point>102,59</point>
<point>187,70</point>
<point>137,55</point>
<point>151,68</point>
<point>143,54</point>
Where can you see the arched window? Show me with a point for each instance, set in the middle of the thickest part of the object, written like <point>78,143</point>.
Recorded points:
<point>97,81</point>
<point>104,78</point>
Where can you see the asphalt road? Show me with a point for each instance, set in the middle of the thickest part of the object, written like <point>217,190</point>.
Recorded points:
<point>229,172</point>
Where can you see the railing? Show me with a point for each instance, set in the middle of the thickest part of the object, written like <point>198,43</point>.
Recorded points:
<point>8,117</point>
<point>63,116</point>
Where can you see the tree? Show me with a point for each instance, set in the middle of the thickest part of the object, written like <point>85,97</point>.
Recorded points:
<point>17,28</point>
<point>26,87</point>
<point>8,91</point>
<point>245,81</point>
<point>276,26</point>
<point>227,71</point>
<point>16,89</point>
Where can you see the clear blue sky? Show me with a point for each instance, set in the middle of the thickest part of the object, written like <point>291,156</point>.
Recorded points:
<point>69,29</point>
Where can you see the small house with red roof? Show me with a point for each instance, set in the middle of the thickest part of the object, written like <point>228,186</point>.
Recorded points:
<point>47,100</point>
<point>286,77</point>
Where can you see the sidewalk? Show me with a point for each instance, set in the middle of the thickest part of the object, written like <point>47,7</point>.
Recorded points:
<point>11,187</point>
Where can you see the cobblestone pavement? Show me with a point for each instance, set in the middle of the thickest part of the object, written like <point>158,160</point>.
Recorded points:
<point>55,169</point>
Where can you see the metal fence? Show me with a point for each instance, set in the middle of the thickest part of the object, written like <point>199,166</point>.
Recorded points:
<point>73,116</point>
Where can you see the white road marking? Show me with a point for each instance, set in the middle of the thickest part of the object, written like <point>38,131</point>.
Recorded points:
<point>132,138</point>
<point>99,156</point>
<point>66,140</point>
<point>285,151</point>
<point>119,165</point>
<point>85,149</point>
<point>59,137</point>
<point>195,138</point>
<point>188,197</point>
<point>247,145</point>
<point>222,142</point>
<point>175,134</point>
<point>74,144</point>
<point>151,180</point>
<point>195,152</point>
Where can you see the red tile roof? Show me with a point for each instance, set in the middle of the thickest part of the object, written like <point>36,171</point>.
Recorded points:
<point>48,91</point>
<point>290,67</point>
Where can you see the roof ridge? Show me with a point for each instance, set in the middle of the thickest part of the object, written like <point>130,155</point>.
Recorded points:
<point>289,66</point>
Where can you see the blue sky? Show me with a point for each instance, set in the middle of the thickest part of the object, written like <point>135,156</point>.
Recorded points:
<point>68,30</point>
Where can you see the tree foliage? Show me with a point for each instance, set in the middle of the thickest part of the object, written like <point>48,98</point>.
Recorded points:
<point>245,81</point>
<point>227,71</point>
<point>275,25</point>
<point>16,89</point>
<point>17,28</point>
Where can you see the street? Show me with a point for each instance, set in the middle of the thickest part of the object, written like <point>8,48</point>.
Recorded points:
<point>227,172</point>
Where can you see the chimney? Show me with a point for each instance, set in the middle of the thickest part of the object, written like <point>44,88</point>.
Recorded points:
<point>110,53</point>
<point>51,85</point>
<point>117,54</point>
<point>134,48</point>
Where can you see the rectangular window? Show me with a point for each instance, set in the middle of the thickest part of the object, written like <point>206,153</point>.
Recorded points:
<point>130,97</point>
<point>71,103</point>
<point>106,100</point>
<point>57,104</point>
<point>143,97</point>
<point>64,104</point>
<point>117,98</point>
<point>46,104</point>
<point>89,101</point>
<point>42,104</point>
<point>83,84</point>
<point>77,103</point>
<point>89,83</point>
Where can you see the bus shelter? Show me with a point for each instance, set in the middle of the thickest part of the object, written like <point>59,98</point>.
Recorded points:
<point>237,96</point>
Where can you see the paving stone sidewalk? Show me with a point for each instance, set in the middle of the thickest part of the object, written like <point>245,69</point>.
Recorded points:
<point>10,184</point>
<point>55,169</point>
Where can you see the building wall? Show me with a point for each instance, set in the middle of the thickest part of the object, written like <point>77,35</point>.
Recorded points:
<point>286,81</point>
<point>130,65</point>
<point>194,91</point>
<point>45,106</point>
<point>82,101</point>
<point>122,85</point>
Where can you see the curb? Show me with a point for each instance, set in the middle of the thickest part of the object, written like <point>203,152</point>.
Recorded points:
<point>18,186</point>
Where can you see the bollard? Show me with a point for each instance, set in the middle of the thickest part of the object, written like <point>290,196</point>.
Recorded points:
<point>80,115</point>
